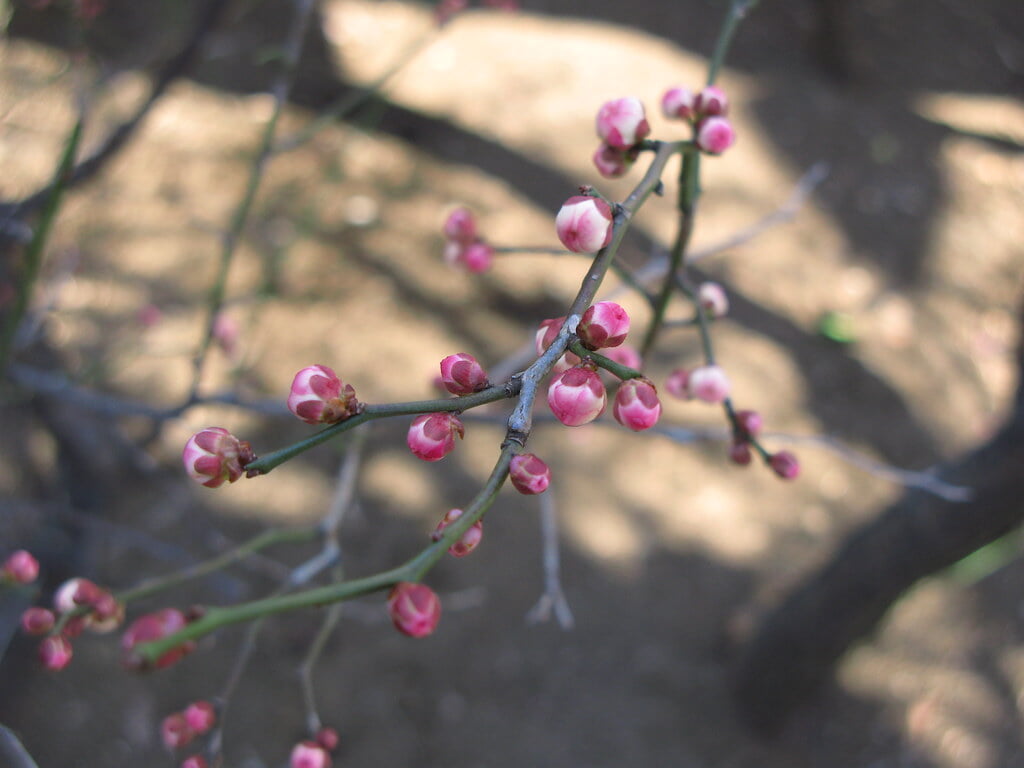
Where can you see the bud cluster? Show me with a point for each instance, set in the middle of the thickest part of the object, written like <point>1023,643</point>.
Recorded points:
<point>621,125</point>
<point>150,627</point>
<point>179,729</point>
<point>463,247</point>
<point>706,111</point>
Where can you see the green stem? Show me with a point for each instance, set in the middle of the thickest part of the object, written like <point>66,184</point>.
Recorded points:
<point>737,11</point>
<point>616,369</point>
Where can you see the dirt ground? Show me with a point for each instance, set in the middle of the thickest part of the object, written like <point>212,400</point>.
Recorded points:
<point>669,554</point>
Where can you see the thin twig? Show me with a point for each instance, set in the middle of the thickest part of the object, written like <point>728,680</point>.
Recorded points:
<point>13,751</point>
<point>553,598</point>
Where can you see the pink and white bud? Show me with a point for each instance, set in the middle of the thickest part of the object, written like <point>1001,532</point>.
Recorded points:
<point>195,761</point>
<point>74,593</point>
<point>55,652</point>
<point>327,738</point>
<point>637,406</point>
<point>547,333</point>
<point>467,542</point>
<point>37,621</point>
<point>414,609</point>
<point>621,123</point>
<point>624,355</point>
<point>715,135</point>
<point>20,567</point>
<point>154,626</point>
<point>740,454</point>
<point>318,396</point>
<point>604,324</point>
<point>460,226</point>
<point>200,716</point>
<point>678,103</point>
<point>678,384</point>
<point>785,465</point>
<point>214,455</point>
<point>461,374</point>
<point>431,436</point>
<point>612,162</point>
<point>107,614</point>
<point>711,102</point>
<point>713,299</point>
<point>709,383</point>
<point>584,224</point>
<point>478,257</point>
<point>749,423</point>
<point>175,731</point>
<point>453,253</point>
<point>529,474</point>
<point>577,397</point>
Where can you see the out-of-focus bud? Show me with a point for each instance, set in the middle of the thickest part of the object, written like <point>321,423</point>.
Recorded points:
<point>20,567</point>
<point>739,453</point>
<point>195,761</point>
<point>55,652</point>
<point>200,716</point>
<point>461,374</point>
<point>318,396</point>
<point>529,474</point>
<point>154,626</point>
<point>214,455</point>
<point>784,464</point>
<point>577,397</point>
<point>715,135</point>
<point>431,436</point>
<point>327,738</point>
<point>175,731</point>
<point>478,257</point>
<point>467,542</point>
<point>709,383</point>
<point>460,226</point>
<point>309,754</point>
<point>453,253</point>
<point>37,621</point>
<point>74,593</point>
<point>226,333</point>
<point>711,102</point>
<point>604,324</point>
<point>678,384</point>
<point>622,122</point>
<point>636,405</point>
<point>677,103</point>
<point>414,609</point>
<point>446,10</point>
<point>750,423</point>
<point>612,162</point>
<point>624,355</point>
<point>584,224</point>
<point>107,614</point>
<point>713,299</point>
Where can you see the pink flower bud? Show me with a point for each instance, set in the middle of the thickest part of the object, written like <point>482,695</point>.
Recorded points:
<point>547,333</point>
<point>678,103</point>
<point>309,754</point>
<point>226,333</point>
<point>708,383</point>
<point>37,621</point>
<point>678,384</point>
<point>195,761</point>
<point>784,464</point>
<point>604,324</point>
<point>749,423</point>
<point>431,436</point>
<point>20,567</point>
<point>715,135</point>
<point>414,609</point>
<point>624,355</point>
<point>214,455</point>
<point>622,123</point>
<point>529,474</point>
<point>327,738</point>
<point>478,257</point>
<point>107,614</point>
<point>446,10</point>
<point>740,453</point>
<point>636,405</point>
<point>55,652</point>
<point>318,396</point>
<point>711,102</point>
<point>612,162</point>
<point>175,731</point>
<point>154,626</point>
<point>461,374</point>
<point>75,593</point>
<point>453,253</point>
<point>460,226</point>
<point>577,397</point>
<point>467,542</point>
<point>200,716</point>
<point>713,299</point>
<point>584,224</point>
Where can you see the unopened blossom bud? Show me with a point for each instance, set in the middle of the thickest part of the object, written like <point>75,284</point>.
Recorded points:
<point>414,609</point>
<point>467,542</point>
<point>154,626</point>
<point>226,333</point>
<point>453,251</point>
<point>577,396</point>
<point>214,455</point>
<point>739,453</point>
<point>74,593</point>
<point>200,716</point>
<point>624,355</point>
<point>107,614</point>
<point>708,383</point>
<point>460,226</point>
<point>175,731</point>
<point>431,436</point>
<point>529,474</point>
<point>622,123</point>
<point>547,333</point>
<point>55,652</point>
<point>327,738</point>
<point>584,224</point>
<point>604,324</point>
<point>677,103</point>
<point>318,396</point>
<point>195,761</point>
<point>713,299</point>
<point>20,567</point>
<point>784,464</point>
<point>711,102</point>
<point>678,384</point>
<point>636,405</point>
<point>750,423</point>
<point>612,162</point>
<point>478,257</point>
<point>715,135</point>
<point>461,374</point>
<point>37,621</point>
<point>309,754</point>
